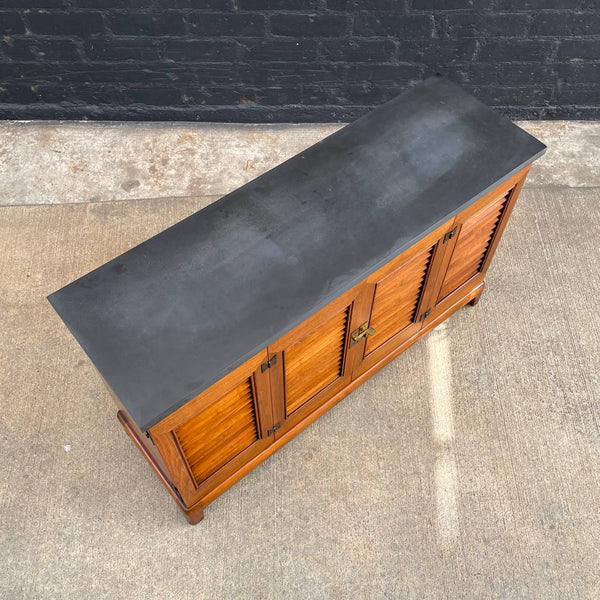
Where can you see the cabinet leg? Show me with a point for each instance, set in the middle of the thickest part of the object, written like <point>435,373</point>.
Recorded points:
<point>195,514</point>
<point>478,296</point>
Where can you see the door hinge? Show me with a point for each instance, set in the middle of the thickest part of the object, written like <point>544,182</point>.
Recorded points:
<point>363,331</point>
<point>449,235</point>
<point>274,429</point>
<point>268,364</point>
<point>149,436</point>
<point>425,314</point>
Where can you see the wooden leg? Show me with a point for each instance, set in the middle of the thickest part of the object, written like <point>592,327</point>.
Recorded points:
<point>479,292</point>
<point>195,514</point>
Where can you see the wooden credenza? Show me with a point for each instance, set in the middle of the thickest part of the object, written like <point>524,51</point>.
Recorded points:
<point>227,334</point>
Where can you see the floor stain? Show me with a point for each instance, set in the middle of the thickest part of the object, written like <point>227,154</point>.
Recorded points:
<point>130,184</point>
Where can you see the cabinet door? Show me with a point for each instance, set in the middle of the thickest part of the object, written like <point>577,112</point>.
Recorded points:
<point>314,361</point>
<point>477,233</point>
<point>215,434</point>
<point>398,292</point>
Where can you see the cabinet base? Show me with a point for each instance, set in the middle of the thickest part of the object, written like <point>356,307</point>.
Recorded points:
<point>195,513</point>
<point>478,297</point>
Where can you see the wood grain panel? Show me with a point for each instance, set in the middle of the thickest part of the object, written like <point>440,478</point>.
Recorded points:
<point>396,299</point>
<point>471,247</point>
<point>315,361</point>
<point>220,432</point>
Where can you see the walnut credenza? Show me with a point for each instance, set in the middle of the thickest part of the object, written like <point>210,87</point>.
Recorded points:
<point>225,335</point>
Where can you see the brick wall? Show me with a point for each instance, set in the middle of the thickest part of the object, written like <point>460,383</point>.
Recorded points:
<point>292,60</point>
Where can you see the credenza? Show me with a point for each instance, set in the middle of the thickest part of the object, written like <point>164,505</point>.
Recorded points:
<point>225,335</point>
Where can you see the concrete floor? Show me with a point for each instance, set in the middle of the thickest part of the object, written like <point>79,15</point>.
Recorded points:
<point>467,468</point>
<point>53,162</point>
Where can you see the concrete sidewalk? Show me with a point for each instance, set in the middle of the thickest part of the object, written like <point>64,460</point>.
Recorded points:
<point>55,163</point>
<point>467,468</point>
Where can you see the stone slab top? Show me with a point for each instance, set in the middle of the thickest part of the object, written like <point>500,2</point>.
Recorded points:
<point>173,315</point>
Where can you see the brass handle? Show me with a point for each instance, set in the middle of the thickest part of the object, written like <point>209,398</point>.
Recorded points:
<point>363,331</point>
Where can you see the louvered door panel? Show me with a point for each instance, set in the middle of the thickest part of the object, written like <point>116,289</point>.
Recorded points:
<point>396,300</point>
<point>315,361</point>
<point>399,293</point>
<point>220,432</point>
<point>212,436</point>
<point>470,250</point>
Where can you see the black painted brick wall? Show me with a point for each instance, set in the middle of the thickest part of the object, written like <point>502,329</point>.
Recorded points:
<point>292,60</point>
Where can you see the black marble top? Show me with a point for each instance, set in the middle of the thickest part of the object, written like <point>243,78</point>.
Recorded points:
<point>168,318</point>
